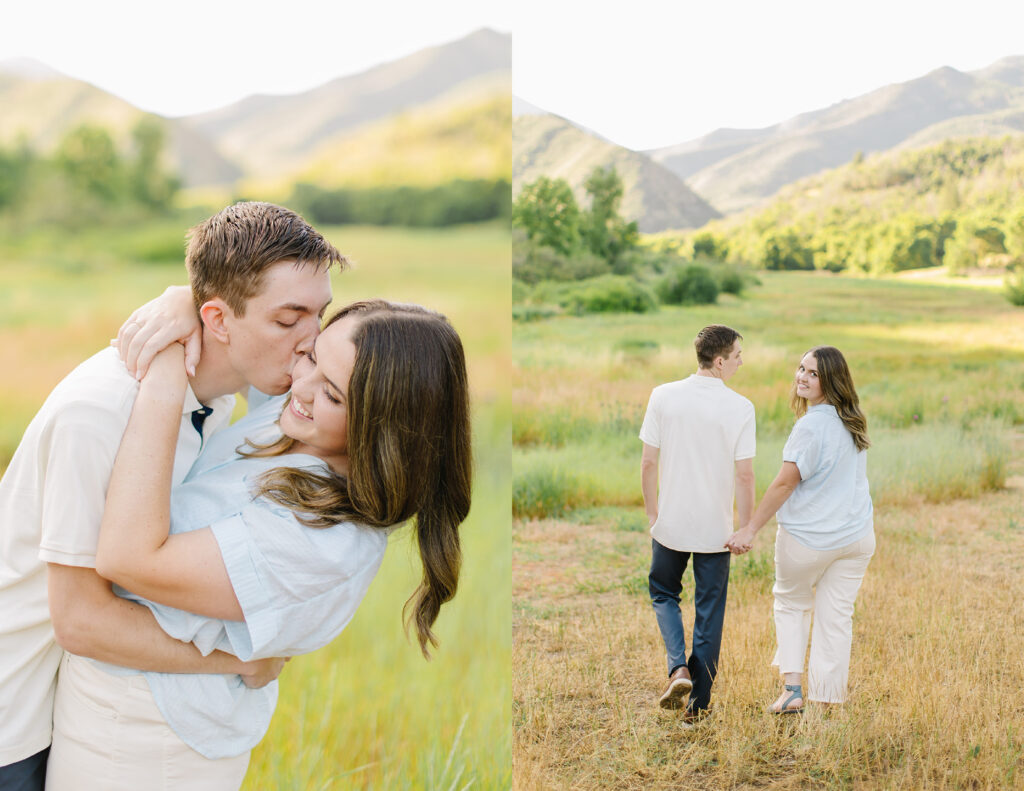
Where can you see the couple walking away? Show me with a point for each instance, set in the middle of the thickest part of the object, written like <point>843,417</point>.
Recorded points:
<point>698,447</point>
<point>230,546</point>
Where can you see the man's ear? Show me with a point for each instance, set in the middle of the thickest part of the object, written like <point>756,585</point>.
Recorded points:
<point>215,314</point>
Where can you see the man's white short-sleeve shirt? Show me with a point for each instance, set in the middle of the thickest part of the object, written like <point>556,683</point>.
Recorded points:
<point>701,428</point>
<point>51,503</point>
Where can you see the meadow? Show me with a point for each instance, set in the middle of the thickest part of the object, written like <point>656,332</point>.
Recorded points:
<point>938,633</point>
<point>366,712</point>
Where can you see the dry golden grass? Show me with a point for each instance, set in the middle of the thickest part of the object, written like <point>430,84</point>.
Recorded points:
<point>936,680</point>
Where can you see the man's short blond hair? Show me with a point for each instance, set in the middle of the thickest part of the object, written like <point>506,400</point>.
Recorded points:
<point>228,254</point>
<point>715,340</point>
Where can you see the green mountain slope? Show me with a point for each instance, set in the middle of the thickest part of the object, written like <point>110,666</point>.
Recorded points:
<point>465,134</point>
<point>959,203</point>
<point>736,169</point>
<point>546,145</point>
<point>42,107</point>
<point>275,135</point>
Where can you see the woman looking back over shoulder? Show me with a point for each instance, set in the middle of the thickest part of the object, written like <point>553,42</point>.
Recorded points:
<point>826,536</point>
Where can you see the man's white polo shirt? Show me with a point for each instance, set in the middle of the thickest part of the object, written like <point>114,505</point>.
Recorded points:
<point>51,504</point>
<point>702,429</point>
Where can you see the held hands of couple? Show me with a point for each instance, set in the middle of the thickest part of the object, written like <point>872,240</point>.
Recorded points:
<point>741,541</point>
<point>170,318</point>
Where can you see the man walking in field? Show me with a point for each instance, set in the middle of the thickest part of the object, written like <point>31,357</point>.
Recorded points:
<point>700,436</point>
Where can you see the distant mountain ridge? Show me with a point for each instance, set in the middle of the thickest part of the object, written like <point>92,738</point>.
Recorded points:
<point>40,105</point>
<point>738,168</point>
<point>270,137</point>
<point>548,145</point>
<point>272,134</point>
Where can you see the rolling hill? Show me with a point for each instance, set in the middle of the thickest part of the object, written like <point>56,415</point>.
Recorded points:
<point>432,102</point>
<point>40,105</point>
<point>738,168</point>
<point>547,145</point>
<point>275,135</point>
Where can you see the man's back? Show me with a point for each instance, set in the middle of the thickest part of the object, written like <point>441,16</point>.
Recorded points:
<point>701,428</point>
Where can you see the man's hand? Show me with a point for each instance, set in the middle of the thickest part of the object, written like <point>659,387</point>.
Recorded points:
<point>262,671</point>
<point>741,541</point>
<point>170,318</point>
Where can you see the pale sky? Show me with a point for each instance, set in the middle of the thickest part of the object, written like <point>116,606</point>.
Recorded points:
<point>652,73</point>
<point>187,56</point>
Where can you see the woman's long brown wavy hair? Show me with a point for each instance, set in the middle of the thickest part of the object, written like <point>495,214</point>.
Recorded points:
<point>408,447</point>
<point>837,387</point>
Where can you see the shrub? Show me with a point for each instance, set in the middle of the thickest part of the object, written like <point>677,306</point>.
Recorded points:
<point>532,263</point>
<point>546,492</point>
<point>730,281</point>
<point>1014,288</point>
<point>526,313</point>
<point>689,285</point>
<point>609,294</point>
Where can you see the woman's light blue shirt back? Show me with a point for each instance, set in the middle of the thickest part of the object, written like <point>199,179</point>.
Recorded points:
<point>298,587</point>
<point>831,506</point>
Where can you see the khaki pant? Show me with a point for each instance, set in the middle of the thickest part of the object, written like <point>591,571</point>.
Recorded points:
<point>109,735</point>
<point>825,584</point>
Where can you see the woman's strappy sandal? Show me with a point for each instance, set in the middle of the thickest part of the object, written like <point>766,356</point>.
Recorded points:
<point>797,692</point>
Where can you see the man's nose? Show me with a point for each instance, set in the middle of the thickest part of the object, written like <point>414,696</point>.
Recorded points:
<point>305,344</point>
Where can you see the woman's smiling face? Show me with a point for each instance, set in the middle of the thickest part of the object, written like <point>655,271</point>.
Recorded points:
<point>317,414</point>
<point>807,383</point>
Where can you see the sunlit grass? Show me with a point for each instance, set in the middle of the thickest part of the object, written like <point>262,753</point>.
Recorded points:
<point>940,372</point>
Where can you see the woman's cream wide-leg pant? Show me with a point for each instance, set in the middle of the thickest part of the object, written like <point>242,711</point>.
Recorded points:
<point>823,583</point>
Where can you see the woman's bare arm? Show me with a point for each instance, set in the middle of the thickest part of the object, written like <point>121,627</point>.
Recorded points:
<point>778,492</point>
<point>135,551</point>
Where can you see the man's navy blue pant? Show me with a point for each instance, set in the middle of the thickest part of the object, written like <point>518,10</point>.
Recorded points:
<point>711,584</point>
<point>25,775</point>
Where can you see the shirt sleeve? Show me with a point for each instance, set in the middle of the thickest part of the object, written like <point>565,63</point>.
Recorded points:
<point>746,444</point>
<point>650,431</point>
<point>79,457</point>
<point>298,586</point>
<point>803,448</point>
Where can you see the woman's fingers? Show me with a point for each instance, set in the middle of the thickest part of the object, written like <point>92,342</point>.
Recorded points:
<point>125,334</point>
<point>146,342</point>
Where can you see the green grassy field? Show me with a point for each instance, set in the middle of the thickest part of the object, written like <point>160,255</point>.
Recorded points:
<point>934,681</point>
<point>367,711</point>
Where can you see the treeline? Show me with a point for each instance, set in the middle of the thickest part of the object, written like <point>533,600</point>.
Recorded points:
<point>87,177</point>
<point>959,204</point>
<point>570,259</point>
<point>456,202</point>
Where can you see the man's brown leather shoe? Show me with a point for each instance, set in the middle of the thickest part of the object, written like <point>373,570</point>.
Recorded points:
<point>679,686</point>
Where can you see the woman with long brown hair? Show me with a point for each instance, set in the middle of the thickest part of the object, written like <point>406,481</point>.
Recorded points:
<point>826,536</point>
<point>271,542</point>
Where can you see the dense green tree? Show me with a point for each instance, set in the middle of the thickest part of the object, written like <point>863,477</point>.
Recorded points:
<point>606,234</point>
<point>455,202</point>
<point>974,243</point>
<point>1014,229</point>
<point>89,158</point>
<point>15,165</point>
<point>150,184</point>
<point>547,210</point>
<point>784,249</point>
<point>710,245</point>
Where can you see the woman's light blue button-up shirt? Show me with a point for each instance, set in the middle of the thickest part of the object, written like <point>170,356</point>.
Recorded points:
<point>298,587</point>
<point>831,506</point>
